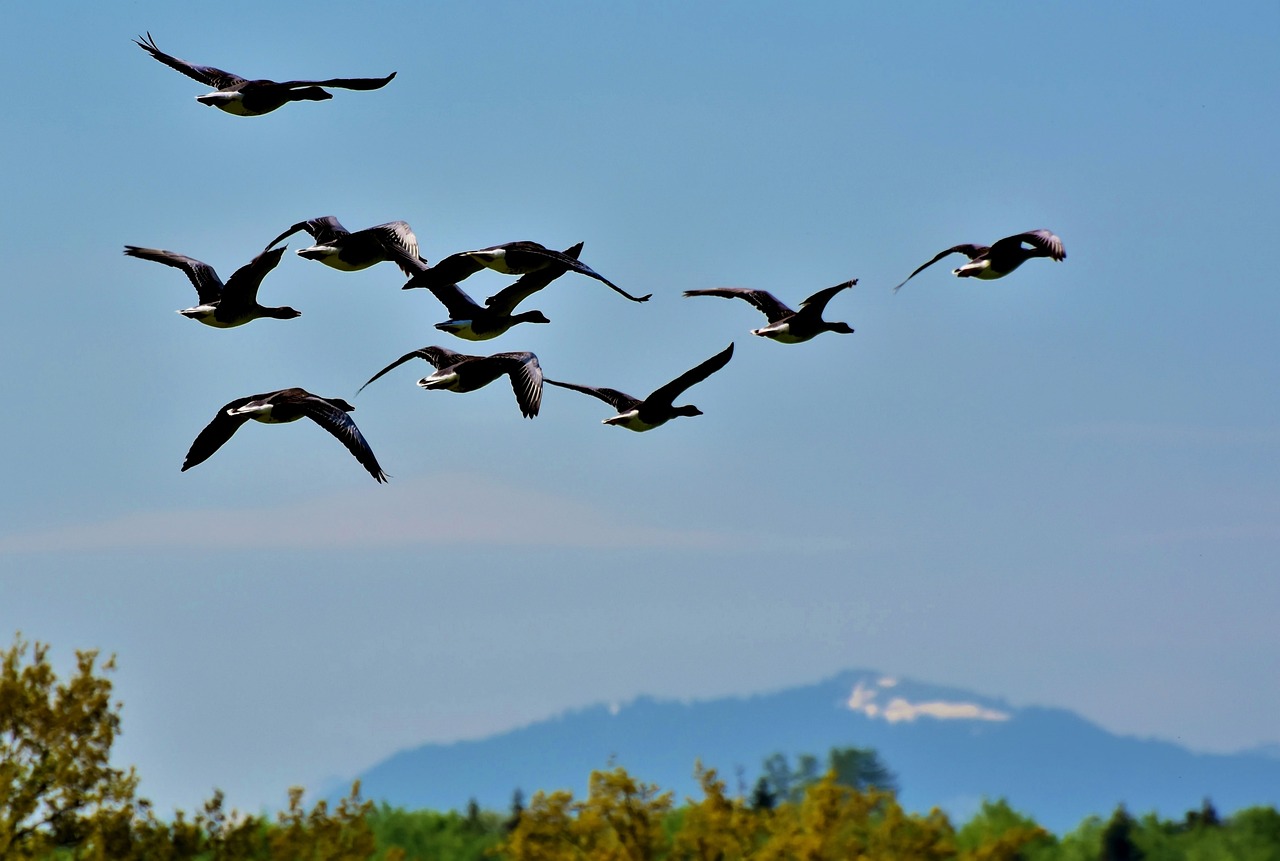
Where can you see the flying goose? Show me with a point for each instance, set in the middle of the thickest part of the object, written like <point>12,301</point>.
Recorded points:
<point>646,414</point>
<point>510,258</point>
<point>786,326</point>
<point>339,248</point>
<point>472,321</point>
<point>222,306</point>
<point>456,372</point>
<point>235,95</point>
<point>998,260</point>
<point>285,405</point>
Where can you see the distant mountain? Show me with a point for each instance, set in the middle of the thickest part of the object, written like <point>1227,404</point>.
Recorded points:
<point>948,747</point>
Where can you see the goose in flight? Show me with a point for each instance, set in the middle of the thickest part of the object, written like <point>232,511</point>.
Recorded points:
<point>989,262</point>
<point>235,95</point>
<point>786,326</point>
<point>642,414</point>
<point>456,372</point>
<point>222,306</point>
<point>509,258</point>
<point>285,405</point>
<point>339,248</point>
<point>472,321</point>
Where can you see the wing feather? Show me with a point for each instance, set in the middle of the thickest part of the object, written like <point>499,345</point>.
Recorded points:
<point>620,401</point>
<point>970,251</point>
<point>208,75</point>
<point>526,380</point>
<point>217,432</point>
<point>763,300</point>
<point>336,421</point>
<point>202,276</point>
<point>672,390</point>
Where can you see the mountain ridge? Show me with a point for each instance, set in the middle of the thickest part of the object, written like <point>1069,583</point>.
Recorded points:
<point>949,747</point>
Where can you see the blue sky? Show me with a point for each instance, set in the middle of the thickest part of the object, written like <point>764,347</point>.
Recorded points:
<point>1060,487</point>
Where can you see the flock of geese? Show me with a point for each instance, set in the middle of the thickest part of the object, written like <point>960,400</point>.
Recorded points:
<point>235,302</point>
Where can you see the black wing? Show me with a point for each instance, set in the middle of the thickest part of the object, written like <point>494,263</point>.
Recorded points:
<point>215,78</point>
<point>242,286</point>
<point>440,357</point>
<point>450,270</point>
<point>326,228</point>
<point>761,299</point>
<point>577,266</point>
<point>526,380</point>
<point>667,394</point>
<point>620,401</point>
<point>970,251</point>
<point>401,245</point>
<point>818,301</point>
<point>344,83</point>
<point>335,420</point>
<point>206,281</point>
<point>455,300</point>
<point>1044,241</point>
<point>217,432</point>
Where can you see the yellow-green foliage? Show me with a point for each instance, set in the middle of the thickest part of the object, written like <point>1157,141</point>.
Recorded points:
<point>621,819</point>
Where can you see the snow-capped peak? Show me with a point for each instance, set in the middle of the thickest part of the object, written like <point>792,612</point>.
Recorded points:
<point>864,699</point>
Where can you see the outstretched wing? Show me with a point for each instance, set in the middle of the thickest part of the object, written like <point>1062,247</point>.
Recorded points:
<point>335,420</point>
<point>526,380</point>
<point>578,266</point>
<point>620,401</point>
<point>667,394</point>
<point>242,286</point>
<point>440,357</point>
<point>506,300</point>
<point>215,78</point>
<point>970,251</point>
<point>344,83</point>
<point>217,432</point>
<point>326,228</point>
<point>455,300</point>
<point>206,281</point>
<point>761,299</point>
<point>1047,243</point>
<point>450,270</point>
<point>818,301</point>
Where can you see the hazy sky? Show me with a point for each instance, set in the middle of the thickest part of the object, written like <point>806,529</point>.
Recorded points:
<point>1062,488</point>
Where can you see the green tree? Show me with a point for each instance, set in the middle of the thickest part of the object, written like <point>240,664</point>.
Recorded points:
<point>861,768</point>
<point>762,796</point>
<point>1117,838</point>
<point>854,767</point>
<point>517,810</point>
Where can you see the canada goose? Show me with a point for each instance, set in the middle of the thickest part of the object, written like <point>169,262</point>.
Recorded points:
<point>285,405</point>
<point>456,372</point>
<point>472,321</point>
<point>339,248</point>
<point>998,260</point>
<point>222,306</point>
<point>786,326</point>
<point>510,258</point>
<point>646,414</point>
<point>235,95</point>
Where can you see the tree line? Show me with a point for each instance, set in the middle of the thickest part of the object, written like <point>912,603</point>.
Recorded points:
<point>60,798</point>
